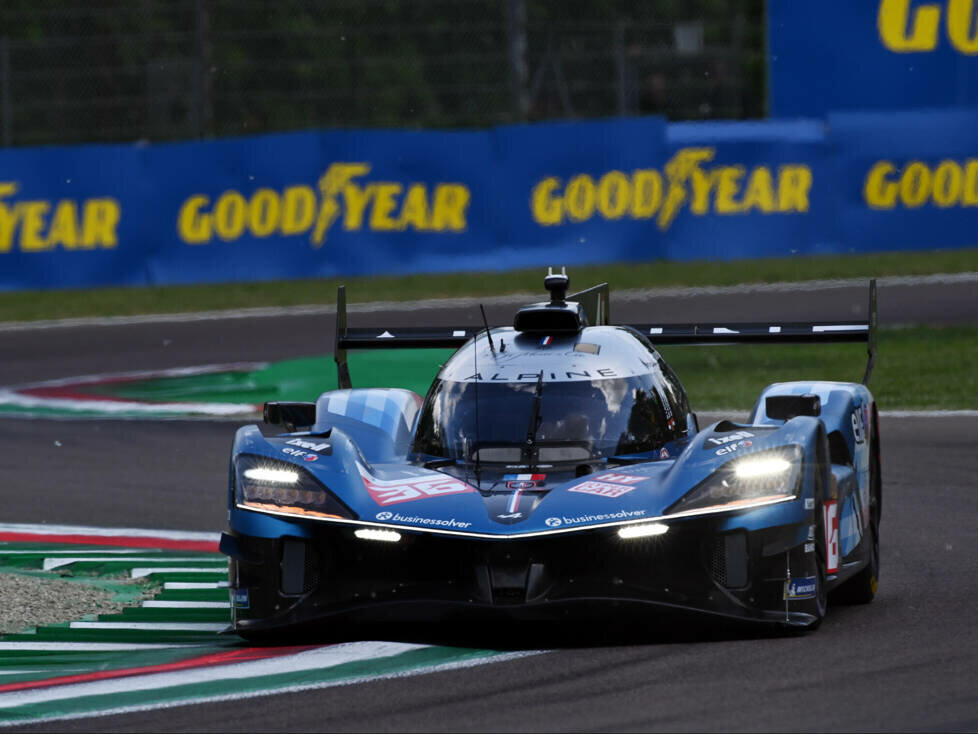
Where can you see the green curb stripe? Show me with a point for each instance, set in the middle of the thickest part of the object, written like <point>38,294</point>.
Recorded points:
<point>418,661</point>
<point>290,380</point>
<point>317,667</point>
<point>301,379</point>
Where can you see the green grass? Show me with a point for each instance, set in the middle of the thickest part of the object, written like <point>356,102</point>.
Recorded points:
<point>33,305</point>
<point>916,368</point>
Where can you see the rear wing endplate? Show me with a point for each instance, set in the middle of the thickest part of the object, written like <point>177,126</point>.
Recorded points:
<point>596,304</point>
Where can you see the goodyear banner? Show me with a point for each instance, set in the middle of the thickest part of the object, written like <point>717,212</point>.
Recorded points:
<point>837,55</point>
<point>906,182</point>
<point>319,204</point>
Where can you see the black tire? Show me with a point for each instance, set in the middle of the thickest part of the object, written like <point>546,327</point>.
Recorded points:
<point>861,588</point>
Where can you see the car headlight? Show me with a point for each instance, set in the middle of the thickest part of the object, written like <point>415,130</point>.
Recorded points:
<point>268,485</point>
<point>748,481</point>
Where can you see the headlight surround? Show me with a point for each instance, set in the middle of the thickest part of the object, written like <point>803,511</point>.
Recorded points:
<point>753,480</point>
<point>268,485</point>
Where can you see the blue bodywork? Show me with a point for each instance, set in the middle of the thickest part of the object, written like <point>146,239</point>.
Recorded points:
<point>375,509</point>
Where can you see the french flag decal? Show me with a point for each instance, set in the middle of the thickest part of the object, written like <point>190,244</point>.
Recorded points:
<point>524,477</point>
<point>545,342</point>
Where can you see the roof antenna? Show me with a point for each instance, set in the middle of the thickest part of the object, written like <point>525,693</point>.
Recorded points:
<point>485,321</point>
<point>478,446</point>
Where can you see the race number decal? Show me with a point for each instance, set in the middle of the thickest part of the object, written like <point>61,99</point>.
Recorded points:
<point>831,515</point>
<point>407,489</point>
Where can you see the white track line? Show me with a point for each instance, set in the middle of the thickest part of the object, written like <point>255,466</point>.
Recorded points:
<point>169,626</point>
<point>315,659</point>
<point>138,573</point>
<point>154,604</point>
<point>52,563</point>
<point>89,646</point>
<point>38,529</point>
<point>633,294</point>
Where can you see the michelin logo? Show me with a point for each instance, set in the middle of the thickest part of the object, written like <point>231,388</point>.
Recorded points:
<point>803,588</point>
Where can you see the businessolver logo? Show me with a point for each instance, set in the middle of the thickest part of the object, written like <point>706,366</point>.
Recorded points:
<point>345,196</point>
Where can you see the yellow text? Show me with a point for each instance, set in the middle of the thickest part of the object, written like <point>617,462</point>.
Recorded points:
<point>41,225</point>
<point>341,196</point>
<point>684,181</point>
<point>950,183</point>
<point>905,27</point>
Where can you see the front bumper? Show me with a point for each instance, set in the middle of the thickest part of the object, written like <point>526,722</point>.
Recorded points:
<point>278,583</point>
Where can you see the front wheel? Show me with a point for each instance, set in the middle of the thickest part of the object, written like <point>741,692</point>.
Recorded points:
<point>861,588</point>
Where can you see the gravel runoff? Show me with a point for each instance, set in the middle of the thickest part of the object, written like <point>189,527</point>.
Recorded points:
<point>32,601</point>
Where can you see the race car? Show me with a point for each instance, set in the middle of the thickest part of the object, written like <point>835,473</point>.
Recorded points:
<point>555,468</point>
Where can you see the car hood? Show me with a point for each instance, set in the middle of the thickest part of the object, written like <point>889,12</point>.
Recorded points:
<point>516,501</point>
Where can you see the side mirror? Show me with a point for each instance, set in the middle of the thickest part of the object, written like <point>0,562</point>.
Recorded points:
<point>785,407</point>
<point>291,416</point>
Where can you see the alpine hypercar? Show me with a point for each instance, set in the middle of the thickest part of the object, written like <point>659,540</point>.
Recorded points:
<point>556,467</point>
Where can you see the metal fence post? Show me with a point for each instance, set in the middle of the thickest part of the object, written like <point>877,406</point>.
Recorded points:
<point>518,73</point>
<point>6,106</point>
<point>620,73</point>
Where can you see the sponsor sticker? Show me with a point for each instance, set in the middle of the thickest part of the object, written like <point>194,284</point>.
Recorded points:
<point>801,588</point>
<point>436,522</point>
<point>520,484</point>
<point>556,522</point>
<point>407,489</point>
<point>809,547</point>
<point>308,445</point>
<point>715,441</point>
<point>733,447</point>
<point>809,503</point>
<point>620,478</point>
<point>858,426</point>
<point>241,599</point>
<point>831,514</point>
<point>602,489</point>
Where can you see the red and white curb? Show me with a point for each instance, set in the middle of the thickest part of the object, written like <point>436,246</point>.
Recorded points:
<point>158,656</point>
<point>74,395</point>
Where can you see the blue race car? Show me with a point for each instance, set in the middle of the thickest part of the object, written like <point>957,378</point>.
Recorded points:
<point>556,467</point>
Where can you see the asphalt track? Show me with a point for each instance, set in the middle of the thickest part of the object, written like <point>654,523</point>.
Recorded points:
<point>904,663</point>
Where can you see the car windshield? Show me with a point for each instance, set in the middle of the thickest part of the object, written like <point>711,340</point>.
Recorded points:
<point>577,420</point>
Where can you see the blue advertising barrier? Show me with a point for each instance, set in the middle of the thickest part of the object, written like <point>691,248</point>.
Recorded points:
<point>323,204</point>
<point>871,55</point>
<point>906,181</point>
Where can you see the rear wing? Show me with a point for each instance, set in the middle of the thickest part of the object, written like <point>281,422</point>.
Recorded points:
<point>596,304</point>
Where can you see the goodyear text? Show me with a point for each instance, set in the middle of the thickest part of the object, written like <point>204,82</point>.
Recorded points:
<point>686,180</point>
<point>946,184</point>
<point>342,196</point>
<point>906,26</point>
<point>40,225</point>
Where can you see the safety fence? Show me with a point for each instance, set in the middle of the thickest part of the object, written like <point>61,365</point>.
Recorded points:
<point>312,204</point>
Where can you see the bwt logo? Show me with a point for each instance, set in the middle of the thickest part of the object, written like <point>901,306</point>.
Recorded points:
<point>646,193</point>
<point>906,29</point>
<point>341,195</point>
